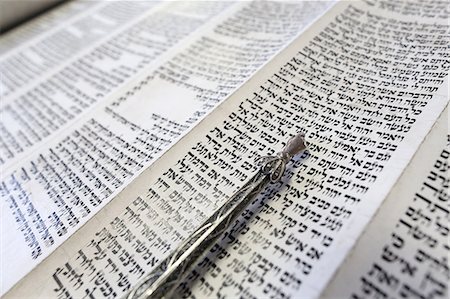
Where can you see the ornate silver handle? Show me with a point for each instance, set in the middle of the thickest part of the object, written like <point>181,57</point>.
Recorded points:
<point>164,278</point>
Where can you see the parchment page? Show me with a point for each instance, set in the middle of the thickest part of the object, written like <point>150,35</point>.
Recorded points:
<point>95,147</point>
<point>365,99</point>
<point>62,96</point>
<point>404,252</point>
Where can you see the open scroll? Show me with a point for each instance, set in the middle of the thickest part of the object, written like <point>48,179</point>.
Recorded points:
<point>365,83</point>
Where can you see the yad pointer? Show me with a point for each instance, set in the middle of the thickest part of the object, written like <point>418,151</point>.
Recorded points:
<point>161,282</point>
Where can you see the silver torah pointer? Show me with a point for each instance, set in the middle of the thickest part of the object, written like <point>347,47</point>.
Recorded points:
<point>161,282</point>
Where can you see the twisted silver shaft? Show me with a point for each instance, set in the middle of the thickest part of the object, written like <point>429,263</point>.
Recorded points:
<point>163,279</point>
